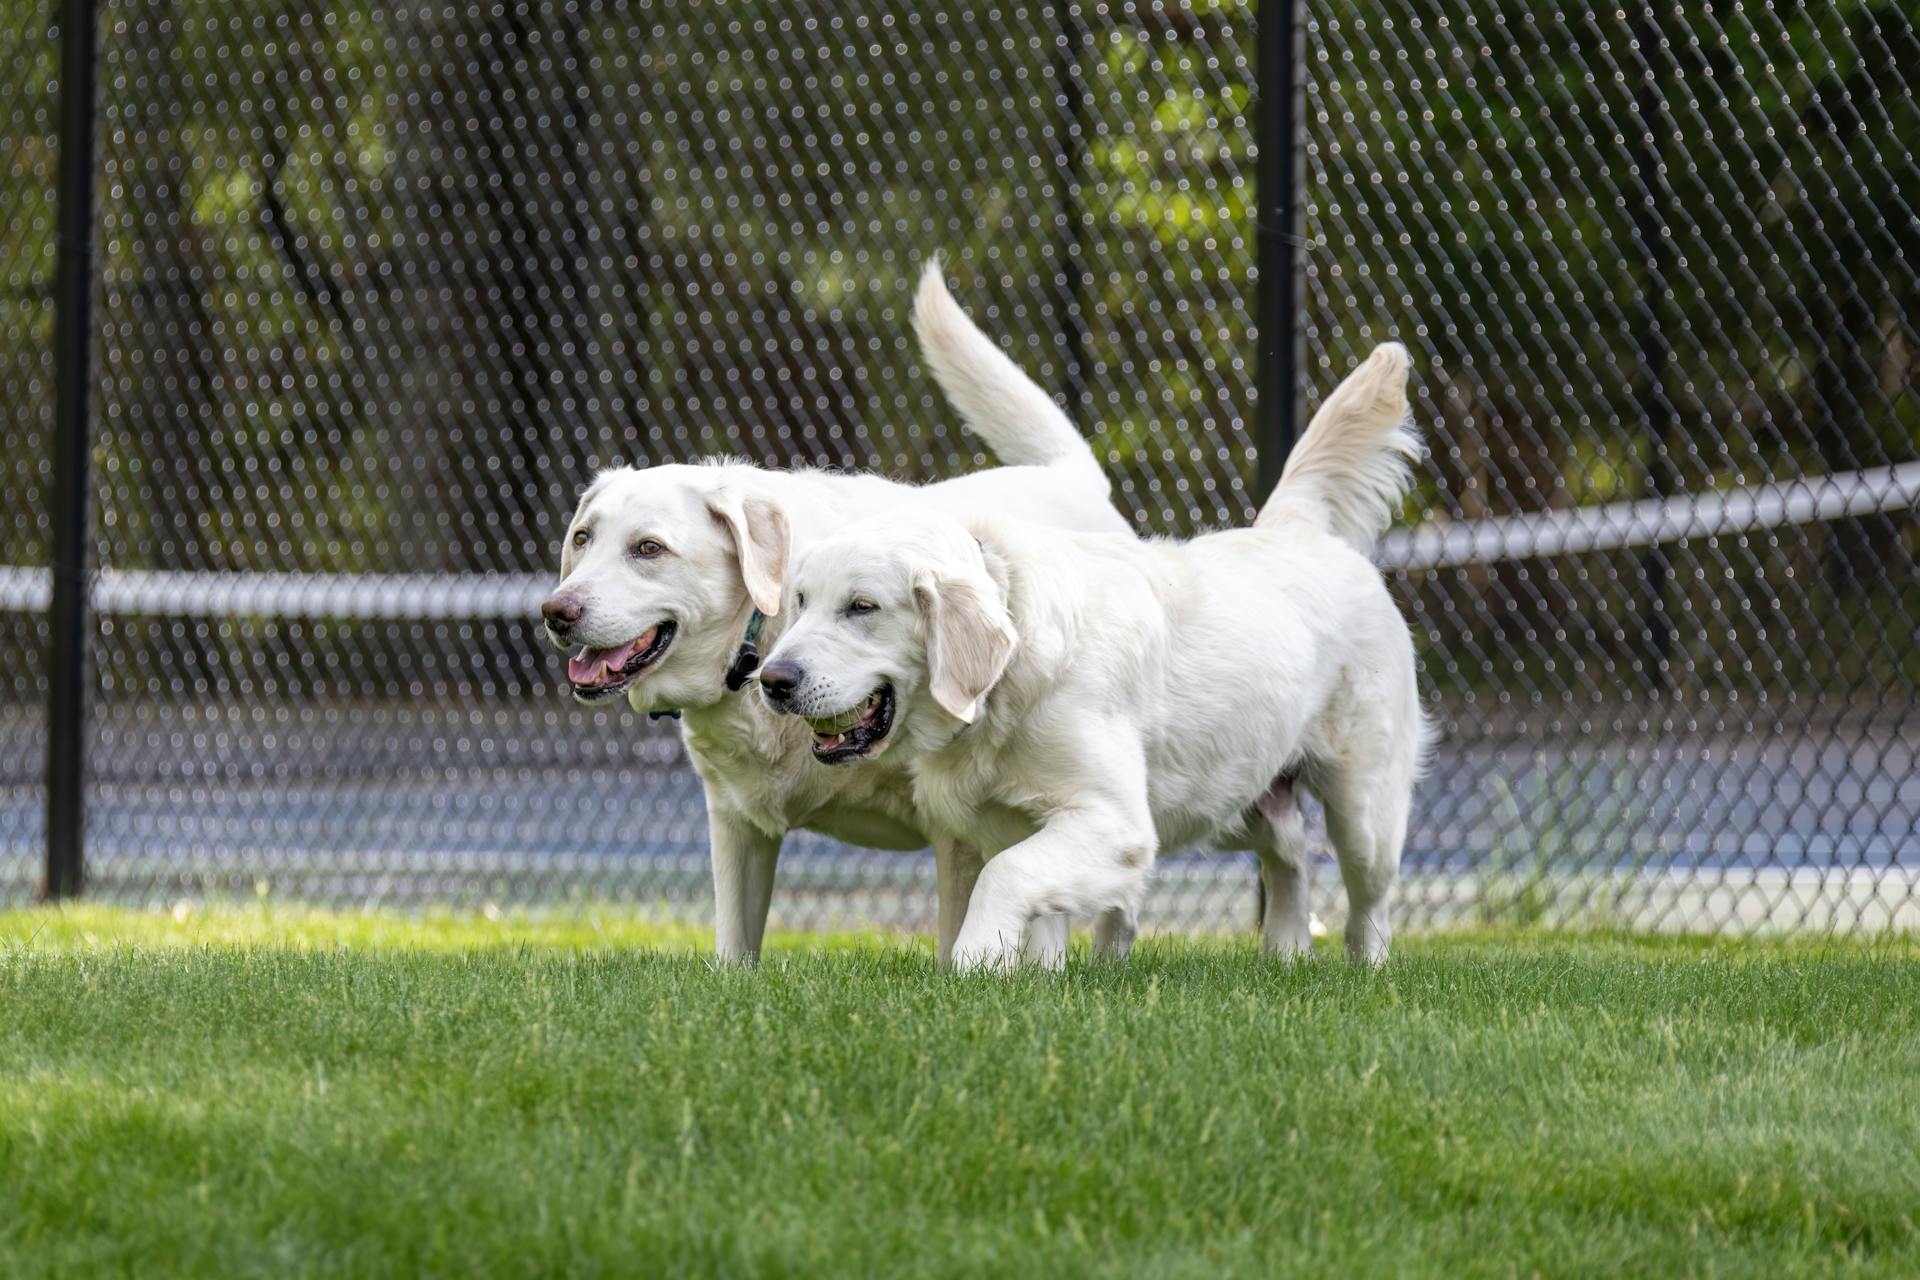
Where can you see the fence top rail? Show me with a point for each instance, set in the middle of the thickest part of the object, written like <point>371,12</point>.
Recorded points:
<point>172,593</point>
<point>1647,522</point>
<point>1608,527</point>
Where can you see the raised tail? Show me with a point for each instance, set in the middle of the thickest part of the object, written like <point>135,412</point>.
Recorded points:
<point>1349,472</point>
<point>999,402</point>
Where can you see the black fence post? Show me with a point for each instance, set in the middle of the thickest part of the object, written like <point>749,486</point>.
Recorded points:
<point>1656,348</point>
<point>1072,98</point>
<point>68,623</point>
<point>1280,226</point>
<point>1281,233</point>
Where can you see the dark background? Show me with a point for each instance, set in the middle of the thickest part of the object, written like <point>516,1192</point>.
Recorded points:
<point>381,286</point>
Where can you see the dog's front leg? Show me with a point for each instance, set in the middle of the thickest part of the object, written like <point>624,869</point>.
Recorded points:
<point>1047,939</point>
<point>955,867</point>
<point>1092,853</point>
<point>1081,863</point>
<point>1114,932</point>
<point>743,864</point>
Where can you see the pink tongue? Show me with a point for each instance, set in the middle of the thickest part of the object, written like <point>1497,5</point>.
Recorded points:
<point>595,666</point>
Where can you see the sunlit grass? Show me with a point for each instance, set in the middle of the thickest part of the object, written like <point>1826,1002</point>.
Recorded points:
<point>193,923</point>
<point>252,1089</point>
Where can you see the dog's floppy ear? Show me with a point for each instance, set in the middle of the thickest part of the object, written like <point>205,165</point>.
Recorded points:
<point>970,639</point>
<point>759,529</point>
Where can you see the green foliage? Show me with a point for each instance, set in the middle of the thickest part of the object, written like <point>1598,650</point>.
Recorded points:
<point>345,321</point>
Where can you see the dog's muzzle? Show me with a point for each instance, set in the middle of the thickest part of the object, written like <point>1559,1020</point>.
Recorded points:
<point>599,674</point>
<point>855,733</point>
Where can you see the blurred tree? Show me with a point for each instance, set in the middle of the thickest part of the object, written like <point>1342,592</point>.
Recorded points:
<point>385,282</point>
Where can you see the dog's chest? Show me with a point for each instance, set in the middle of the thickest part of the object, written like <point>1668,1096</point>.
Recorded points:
<point>762,768</point>
<point>960,794</point>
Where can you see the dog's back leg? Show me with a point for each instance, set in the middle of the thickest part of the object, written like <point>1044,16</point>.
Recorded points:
<point>1367,806</point>
<point>1279,836</point>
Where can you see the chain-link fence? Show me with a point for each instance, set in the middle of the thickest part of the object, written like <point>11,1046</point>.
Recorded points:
<point>377,287</point>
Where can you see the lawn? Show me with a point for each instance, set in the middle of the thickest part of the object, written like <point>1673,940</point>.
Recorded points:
<point>257,1092</point>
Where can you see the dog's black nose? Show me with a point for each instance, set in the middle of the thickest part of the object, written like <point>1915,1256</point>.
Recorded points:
<point>778,680</point>
<point>561,613</point>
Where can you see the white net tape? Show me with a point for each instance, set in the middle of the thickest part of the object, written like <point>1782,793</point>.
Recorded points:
<point>1614,525</point>
<point>1608,527</point>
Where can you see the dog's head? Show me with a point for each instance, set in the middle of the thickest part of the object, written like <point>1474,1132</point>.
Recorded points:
<point>897,629</point>
<point>658,573</point>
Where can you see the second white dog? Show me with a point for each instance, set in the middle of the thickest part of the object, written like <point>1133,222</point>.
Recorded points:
<point>1072,703</point>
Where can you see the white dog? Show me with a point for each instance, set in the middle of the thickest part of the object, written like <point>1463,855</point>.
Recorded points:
<point>1072,703</point>
<point>671,576</point>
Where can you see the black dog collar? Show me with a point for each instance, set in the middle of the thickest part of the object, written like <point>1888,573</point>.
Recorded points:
<point>746,660</point>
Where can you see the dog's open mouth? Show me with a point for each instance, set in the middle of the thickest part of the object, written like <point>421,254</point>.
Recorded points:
<point>855,732</point>
<point>598,674</point>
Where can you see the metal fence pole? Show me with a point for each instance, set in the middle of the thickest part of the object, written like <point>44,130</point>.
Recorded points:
<point>1280,225</point>
<point>73,383</point>
<point>1281,228</point>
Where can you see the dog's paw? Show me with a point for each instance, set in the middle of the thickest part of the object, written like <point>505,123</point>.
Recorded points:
<point>984,957</point>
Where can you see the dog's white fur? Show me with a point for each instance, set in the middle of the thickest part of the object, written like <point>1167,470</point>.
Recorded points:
<point>1070,704</point>
<point>728,530</point>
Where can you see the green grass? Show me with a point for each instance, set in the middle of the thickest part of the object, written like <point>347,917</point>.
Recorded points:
<point>274,1092</point>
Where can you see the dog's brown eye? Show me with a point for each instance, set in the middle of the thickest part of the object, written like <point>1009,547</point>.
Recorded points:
<point>647,548</point>
<point>857,607</point>
<point>579,537</point>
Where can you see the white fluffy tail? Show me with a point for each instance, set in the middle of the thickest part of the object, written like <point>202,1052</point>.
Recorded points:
<point>1349,472</point>
<point>1000,403</point>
